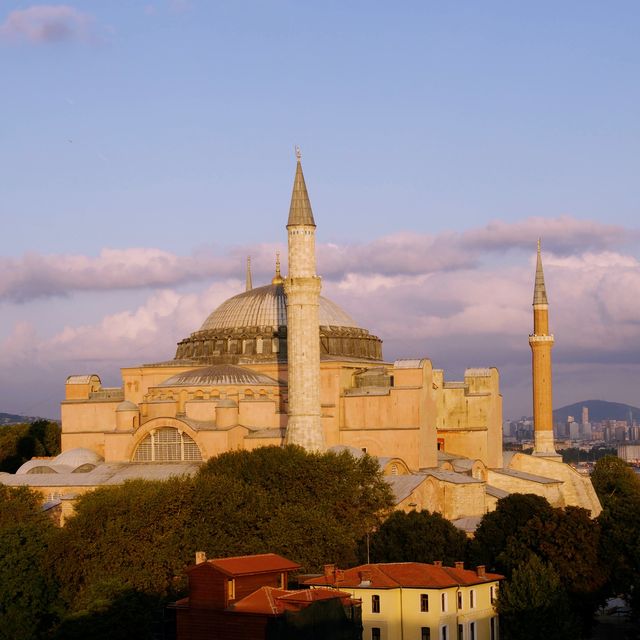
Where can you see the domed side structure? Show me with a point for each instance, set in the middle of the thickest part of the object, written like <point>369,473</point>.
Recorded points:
<point>222,374</point>
<point>252,327</point>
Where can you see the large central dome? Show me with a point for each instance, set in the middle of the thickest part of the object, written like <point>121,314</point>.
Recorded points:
<point>267,307</point>
<point>252,327</point>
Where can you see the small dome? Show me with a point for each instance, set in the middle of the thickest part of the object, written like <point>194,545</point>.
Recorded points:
<point>267,307</point>
<point>217,375</point>
<point>77,457</point>
<point>126,405</point>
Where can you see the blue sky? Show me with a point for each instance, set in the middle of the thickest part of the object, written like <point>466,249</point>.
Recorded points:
<point>164,126</point>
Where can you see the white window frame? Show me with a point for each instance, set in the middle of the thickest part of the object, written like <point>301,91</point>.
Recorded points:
<point>472,599</point>
<point>444,632</point>
<point>444,601</point>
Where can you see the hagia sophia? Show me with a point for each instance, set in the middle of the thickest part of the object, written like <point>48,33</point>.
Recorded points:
<point>280,364</point>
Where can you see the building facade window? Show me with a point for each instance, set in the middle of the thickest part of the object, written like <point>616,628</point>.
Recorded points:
<point>444,602</point>
<point>167,444</point>
<point>375,604</point>
<point>375,633</point>
<point>472,599</point>
<point>460,632</point>
<point>493,592</point>
<point>444,632</point>
<point>472,631</point>
<point>425,633</point>
<point>459,599</point>
<point>424,602</point>
<point>493,626</point>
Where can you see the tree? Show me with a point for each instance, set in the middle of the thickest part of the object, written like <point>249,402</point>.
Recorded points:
<point>324,501</point>
<point>533,604</point>
<point>28,591</point>
<point>618,488</point>
<point>417,536</point>
<point>497,527</point>
<point>21,442</point>
<point>569,541</point>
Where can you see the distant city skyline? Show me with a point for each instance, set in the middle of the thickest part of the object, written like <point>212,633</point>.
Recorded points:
<point>148,149</point>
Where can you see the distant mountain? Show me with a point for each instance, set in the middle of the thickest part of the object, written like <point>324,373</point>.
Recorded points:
<point>598,410</point>
<point>11,418</point>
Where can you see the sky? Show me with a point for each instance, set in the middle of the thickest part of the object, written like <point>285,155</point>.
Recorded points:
<point>146,148</point>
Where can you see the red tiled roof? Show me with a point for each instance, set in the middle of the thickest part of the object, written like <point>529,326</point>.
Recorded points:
<point>272,601</point>
<point>261,601</point>
<point>262,563</point>
<point>405,574</point>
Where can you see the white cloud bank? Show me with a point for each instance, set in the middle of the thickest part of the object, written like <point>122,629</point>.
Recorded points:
<point>447,297</point>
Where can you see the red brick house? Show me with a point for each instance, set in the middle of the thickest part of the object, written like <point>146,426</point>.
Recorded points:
<point>245,598</point>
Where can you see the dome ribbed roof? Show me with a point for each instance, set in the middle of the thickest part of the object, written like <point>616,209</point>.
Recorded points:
<point>217,375</point>
<point>267,307</point>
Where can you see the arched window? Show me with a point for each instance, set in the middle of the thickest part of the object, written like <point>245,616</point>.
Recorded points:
<point>167,444</point>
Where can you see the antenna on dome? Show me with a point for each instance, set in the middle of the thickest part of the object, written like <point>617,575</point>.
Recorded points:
<point>249,282</point>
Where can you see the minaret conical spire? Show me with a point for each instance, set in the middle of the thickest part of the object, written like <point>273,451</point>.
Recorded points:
<point>249,282</point>
<point>539,290</point>
<point>300,212</point>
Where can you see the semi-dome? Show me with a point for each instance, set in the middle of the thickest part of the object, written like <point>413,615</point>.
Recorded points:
<point>220,374</point>
<point>267,307</point>
<point>252,327</point>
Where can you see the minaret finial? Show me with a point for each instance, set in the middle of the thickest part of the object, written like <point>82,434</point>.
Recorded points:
<point>277,279</point>
<point>539,245</point>
<point>249,282</point>
<point>539,289</point>
<point>298,154</point>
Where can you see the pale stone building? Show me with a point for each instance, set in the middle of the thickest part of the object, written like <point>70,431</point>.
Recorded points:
<point>281,363</point>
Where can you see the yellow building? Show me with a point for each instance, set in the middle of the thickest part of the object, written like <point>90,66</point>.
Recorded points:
<point>420,601</point>
<point>281,363</point>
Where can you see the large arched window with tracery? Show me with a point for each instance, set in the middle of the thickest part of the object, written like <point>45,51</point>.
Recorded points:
<point>167,444</point>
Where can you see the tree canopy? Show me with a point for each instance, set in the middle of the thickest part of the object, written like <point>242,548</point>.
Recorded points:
<point>417,536</point>
<point>533,605</point>
<point>21,442</point>
<point>618,488</point>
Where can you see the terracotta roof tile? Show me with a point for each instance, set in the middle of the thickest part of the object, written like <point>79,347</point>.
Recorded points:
<point>272,601</point>
<point>261,563</point>
<point>404,574</point>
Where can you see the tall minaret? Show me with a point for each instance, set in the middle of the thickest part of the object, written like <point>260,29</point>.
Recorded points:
<point>541,342</point>
<point>302,288</point>
<point>249,285</point>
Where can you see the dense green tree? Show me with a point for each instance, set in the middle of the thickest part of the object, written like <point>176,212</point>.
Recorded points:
<point>21,442</point>
<point>618,488</point>
<point>497,527</point>
<point>325,502</point>
<point>569,541</point>
<point>533,605</point>
<point>417,536</point>
<point>28,592</point>
<point>19,505</point>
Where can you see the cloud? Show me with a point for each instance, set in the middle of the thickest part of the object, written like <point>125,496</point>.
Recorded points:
<point>437,296</point>
<point>46,24</point>
<point>403,254</point>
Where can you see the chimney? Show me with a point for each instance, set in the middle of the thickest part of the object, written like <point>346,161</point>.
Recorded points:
<point>329,571</point>
<point>480,571</point>
<point>437,563</point>
<point>201,557</point>
<point>365,576</point>
<point>460,565</point>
